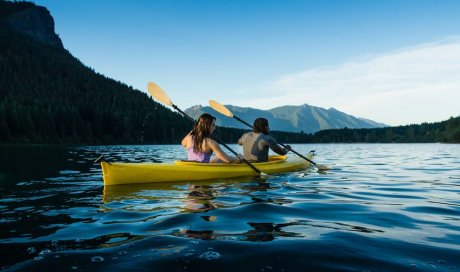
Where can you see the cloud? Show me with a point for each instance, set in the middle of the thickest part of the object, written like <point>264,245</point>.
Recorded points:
<point>410,85</point>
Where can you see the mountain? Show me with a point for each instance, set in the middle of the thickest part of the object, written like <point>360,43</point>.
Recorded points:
<point>304,118</point>
<point>47,96</point>
<point>33,21</point>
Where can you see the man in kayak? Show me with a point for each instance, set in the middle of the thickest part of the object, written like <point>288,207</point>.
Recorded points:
<point>257,143</point>
<point>199,144</point>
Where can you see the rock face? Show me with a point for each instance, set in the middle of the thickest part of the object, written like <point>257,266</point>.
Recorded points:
<point>304,118</point>
<point>35,22</point>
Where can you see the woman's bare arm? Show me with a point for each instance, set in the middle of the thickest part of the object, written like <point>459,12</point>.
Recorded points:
<point>220,153</point>
<point>186,141</point>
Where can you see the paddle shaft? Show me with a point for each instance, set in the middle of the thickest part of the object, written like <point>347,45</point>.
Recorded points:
<point>283,145</point>
<point>218,140</point>
<point>300,155</point>
<point>242,121</point>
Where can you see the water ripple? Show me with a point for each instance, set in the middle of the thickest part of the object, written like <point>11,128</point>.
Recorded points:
<point>382,208</point>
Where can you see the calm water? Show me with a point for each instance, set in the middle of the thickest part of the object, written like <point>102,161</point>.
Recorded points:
<point>389,207</point>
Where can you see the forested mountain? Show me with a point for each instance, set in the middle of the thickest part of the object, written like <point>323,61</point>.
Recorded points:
<point>50,97</point>
<point>47,96</point>
<point>304,118</point>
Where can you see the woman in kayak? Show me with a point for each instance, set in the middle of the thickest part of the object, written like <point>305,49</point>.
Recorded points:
<point>257,143</point>
<point>199,144</point>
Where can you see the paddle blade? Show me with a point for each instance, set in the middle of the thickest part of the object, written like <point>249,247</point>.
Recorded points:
<point>264,175</point>
<point>159,94</point>
<point>220,108</point>
<point>322,167</point>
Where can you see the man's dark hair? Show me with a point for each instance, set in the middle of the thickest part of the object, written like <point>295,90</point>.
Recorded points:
<point>260,126</point>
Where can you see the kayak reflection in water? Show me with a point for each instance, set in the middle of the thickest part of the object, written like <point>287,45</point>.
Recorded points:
<point>199,199</point>
<point>256,144</point>
<point>199,144</point>
<point>265,232</point>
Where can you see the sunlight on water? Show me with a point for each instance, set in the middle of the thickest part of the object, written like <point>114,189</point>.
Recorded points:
<point>383,207</point>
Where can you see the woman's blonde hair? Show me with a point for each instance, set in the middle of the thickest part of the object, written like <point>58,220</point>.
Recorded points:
<point>201,130</point>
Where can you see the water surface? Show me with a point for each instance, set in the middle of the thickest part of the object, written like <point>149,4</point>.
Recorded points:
<point>383,207</point>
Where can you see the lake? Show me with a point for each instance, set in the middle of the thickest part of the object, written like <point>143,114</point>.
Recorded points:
<point>383,207</point>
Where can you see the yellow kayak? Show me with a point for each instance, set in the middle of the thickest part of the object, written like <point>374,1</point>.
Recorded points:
<point>129,173</point>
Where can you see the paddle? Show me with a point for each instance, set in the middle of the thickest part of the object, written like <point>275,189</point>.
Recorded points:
<point>161,96</point>
<point>223,110</point>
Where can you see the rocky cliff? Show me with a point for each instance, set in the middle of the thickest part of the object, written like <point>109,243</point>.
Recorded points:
<point>30,20</point>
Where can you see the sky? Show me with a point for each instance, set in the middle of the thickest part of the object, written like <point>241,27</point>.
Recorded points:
<point>391,61</point>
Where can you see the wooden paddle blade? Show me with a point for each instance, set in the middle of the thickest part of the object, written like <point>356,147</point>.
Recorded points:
<point>159,94</point>
<point>264,175</point>
<point>322,167</point>
<point>220,108</point>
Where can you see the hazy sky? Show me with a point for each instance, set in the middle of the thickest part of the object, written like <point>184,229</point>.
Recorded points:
<point>392,61</point>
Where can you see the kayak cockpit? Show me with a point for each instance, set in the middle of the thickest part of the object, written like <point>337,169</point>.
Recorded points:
<point>271,160</point>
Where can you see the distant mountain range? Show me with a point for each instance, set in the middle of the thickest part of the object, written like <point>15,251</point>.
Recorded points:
<point>49,97</point>
<point>304,118</point>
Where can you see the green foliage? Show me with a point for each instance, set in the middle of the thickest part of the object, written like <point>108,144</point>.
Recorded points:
<point>47,96</point>
<point>446,131</point>
<point>231,135</point>
<point>50,97</point>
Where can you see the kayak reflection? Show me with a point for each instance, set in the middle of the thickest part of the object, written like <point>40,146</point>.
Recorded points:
<point>187,196</point>
<point>199,198</point>
<point>261,232</point>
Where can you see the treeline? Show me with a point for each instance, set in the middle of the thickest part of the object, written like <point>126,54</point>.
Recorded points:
<point>445,131</point>
<point>50,97</point>
<point>231,135</point>
<point>47,96</point>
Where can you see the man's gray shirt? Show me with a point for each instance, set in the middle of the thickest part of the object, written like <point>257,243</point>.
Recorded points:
<point>256,145</point>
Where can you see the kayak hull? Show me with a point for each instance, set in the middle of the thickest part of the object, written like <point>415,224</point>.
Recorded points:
<point>132,173</point>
